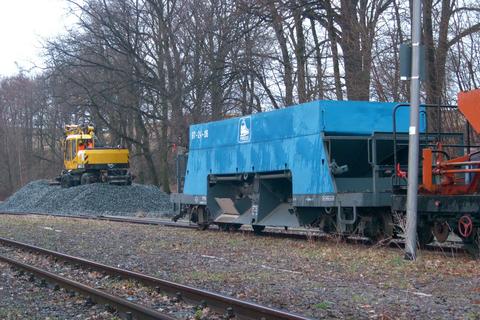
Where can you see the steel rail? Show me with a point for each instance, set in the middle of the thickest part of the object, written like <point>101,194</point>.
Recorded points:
<point>120,304</point>
<point>241,309</point>
<point>132,220</point>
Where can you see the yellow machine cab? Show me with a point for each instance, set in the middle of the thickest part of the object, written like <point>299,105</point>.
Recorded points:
<point>85,162</point>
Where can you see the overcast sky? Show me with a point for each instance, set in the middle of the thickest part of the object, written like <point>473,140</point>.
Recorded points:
<point>23,24</point>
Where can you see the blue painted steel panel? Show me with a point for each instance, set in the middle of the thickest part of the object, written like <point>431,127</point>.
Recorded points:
<point>289,138</point>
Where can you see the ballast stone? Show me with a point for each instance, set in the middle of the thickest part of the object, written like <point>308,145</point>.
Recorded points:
<point>93,199</point>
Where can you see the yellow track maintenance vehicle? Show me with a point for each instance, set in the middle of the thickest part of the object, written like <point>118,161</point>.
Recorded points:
<point>85,162</point>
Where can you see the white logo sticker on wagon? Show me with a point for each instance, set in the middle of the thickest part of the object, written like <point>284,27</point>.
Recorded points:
<point>244,129</point>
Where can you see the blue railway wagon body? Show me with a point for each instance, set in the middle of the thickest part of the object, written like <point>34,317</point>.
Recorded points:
<point>280,167</point>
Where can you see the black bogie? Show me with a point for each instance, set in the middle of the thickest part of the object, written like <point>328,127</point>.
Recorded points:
<point>258,229</point>
<point>82,177</point>
<point>88,178</point>
<point>66,181</point>
<point>424,234</point>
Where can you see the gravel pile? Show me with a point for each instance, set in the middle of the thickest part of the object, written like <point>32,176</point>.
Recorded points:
<point>93,199</point>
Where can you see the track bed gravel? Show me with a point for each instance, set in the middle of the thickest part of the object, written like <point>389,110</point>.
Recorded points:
<point>315,278</point>
<point>127,289</point>
<point>21,298</point>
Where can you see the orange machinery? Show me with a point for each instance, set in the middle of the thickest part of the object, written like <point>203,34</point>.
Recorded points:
<point>452,174</point>
<point>458,178</point>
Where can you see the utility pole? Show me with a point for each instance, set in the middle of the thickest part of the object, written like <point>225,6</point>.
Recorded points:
<point>413,137</point>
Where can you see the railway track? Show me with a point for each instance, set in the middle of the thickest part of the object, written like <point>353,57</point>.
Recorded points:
<point>124,307</point>
<point>450,248</point>
<point>230,307</point>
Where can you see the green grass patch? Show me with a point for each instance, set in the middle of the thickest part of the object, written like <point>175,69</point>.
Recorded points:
<point>209,276</point>
<point>324,305</point>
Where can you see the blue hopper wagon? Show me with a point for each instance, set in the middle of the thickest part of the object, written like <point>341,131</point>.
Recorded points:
<point>325,164</point>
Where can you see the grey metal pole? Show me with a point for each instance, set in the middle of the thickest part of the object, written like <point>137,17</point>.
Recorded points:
<point>413,140</point>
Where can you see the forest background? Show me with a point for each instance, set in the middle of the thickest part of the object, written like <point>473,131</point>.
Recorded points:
<point>142,71</point>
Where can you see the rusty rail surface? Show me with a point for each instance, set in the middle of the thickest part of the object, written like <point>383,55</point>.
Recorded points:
<point>220,303</point>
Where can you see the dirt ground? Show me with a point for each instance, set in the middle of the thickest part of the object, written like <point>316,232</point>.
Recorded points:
<point>320,279</point>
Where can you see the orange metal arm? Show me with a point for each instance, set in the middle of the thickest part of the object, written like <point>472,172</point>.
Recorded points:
<point>459,171</point>
<point>469,105</point>
<point>427,182</point>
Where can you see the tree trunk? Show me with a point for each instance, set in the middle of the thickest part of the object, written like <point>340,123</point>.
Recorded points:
<point>335,56</point>
<point>282,42</point>
<point>300,55</point>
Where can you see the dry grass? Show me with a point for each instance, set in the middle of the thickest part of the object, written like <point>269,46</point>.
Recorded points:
<point>318,278</point>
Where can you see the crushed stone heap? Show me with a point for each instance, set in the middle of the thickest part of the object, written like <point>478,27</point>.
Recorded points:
<point>92,199</point>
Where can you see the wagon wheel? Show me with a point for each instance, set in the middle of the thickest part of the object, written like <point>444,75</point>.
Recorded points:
<point>192,212</point>
<point>235,226</point>
<point>441,230</point>
<point>472,243</point>
<point>203,226</point>
<point>383,228</point>
<point>202,216</point>
<point>85,179</point>
<point>327,221</point>
<point>258,229</point>
<point>424,235</point>
<point>66,181</point>
<point>229,226</point>
<point>223,226</point>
